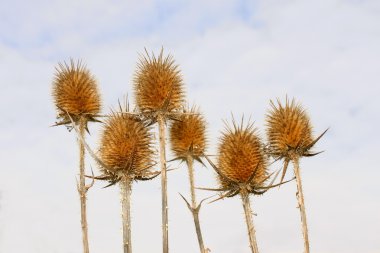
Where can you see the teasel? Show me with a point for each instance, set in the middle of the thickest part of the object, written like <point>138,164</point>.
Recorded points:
<point>76,97</point>
<point>242,168</point>
<point>188,143</point>
<point>289,134</point>
<point>159,96</point>
<point>126,154</point>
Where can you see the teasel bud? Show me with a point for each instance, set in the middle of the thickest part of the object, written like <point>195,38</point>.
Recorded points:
<point>188,142</point>
<point>158,84</point>
<point>242,169</point>
<point>75,92</point>
<point>188,135</point>
<point>241,156</point>
<point>77,101</point>
<point>126,146</point>
<point>289,133</point>
<point>159,96</point>
<point>288,130</point>
<point>126,154</point>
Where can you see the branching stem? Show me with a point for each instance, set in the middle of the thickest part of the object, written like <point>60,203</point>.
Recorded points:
<point>194,209</point>
<point>82,190</point>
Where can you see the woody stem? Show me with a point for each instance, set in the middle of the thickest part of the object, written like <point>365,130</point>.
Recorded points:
<point>301,204</point>
<point>194,209</point>
<point>164,194</point>
<point>248,218</point>
<point>82,187</point>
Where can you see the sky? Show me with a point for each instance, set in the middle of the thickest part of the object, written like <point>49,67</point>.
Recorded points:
<point>235,56</point>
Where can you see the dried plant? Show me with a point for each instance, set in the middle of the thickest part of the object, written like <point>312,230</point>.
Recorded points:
<point>290,137</point>
<point>188,142</point>
<point>126,154</point>
<point>76,97</point>
<point>242,169</point>
<point>159,95</point>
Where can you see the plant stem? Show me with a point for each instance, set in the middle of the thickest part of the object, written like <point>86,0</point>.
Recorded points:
<point>165,225</point>
<point>125,187</point>
<point>194,208</point>
<point>82,186</point>
<point>301,204</point>
<point>249,221</point>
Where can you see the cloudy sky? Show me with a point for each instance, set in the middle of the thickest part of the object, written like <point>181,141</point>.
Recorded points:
<point>235,56</point>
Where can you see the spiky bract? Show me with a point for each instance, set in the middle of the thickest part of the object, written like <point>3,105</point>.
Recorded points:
<point>75,92</point>
<point>288,130</point>
<point>158,84</point>
<point>188,135</point>
<point>241,156</point>
<point>126,146</point>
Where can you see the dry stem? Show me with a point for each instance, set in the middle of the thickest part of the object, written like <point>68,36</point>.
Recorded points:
<point>125,187</point>
<point>165,225</point>
<point>82,189</point>
<point>249,221</point>
<point>194,209</point>
<point>301,204</point>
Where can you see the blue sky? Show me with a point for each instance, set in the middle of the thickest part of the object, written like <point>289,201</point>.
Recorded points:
<point>234,56</point>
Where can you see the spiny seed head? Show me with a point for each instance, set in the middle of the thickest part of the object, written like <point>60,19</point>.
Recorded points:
<point>75,92</point>
<point>126,145</point>
<point>158,84</point>
<point>188,135</point>
<point>240,153</point>
<point>288,129</point>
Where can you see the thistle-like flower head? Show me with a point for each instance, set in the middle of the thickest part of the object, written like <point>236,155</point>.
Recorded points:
<point>126,147</point>
<point>241,158</point>
<point>289,130</point>
<point>158,84</point>
<point>188,135</point>
<point>75,92</point>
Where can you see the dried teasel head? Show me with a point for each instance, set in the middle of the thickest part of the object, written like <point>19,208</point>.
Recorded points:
<point>241,158</point>
<point>126,147</point>
<point>289,130</point>
<point>75,92</point>
<point>158,84</point>
<point>188,135</point>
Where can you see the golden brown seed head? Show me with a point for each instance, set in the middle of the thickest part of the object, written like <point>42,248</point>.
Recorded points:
<point>75,91</point>
<point>240,153</point>
<point>158,84</point>
<point>126,145</point>
<point>288,129</point>
<point>188,135</point>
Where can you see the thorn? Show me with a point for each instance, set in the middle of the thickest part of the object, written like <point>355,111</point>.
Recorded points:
<point>187,202</point>
<point>87,187</point>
